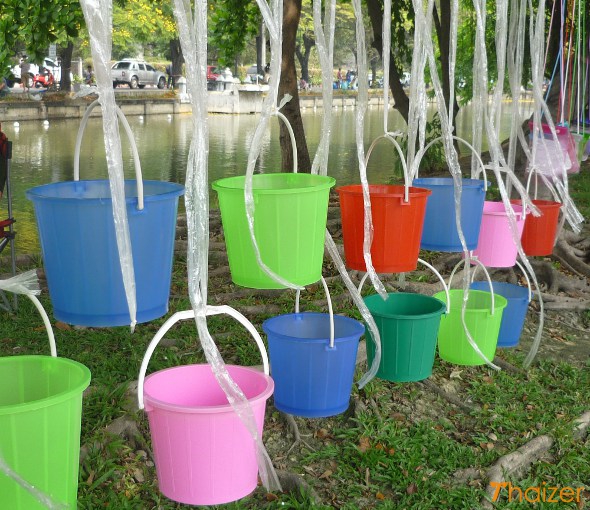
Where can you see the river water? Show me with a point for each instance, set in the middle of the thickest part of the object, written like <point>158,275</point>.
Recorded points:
<point>45,153</point>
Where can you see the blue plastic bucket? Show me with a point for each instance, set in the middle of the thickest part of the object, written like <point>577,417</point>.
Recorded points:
<point>514,313</point>
<point>440,227</point>
<point>312,379</point>
<point>77,234</point>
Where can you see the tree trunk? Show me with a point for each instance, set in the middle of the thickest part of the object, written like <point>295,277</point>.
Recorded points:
<point>303,57</point>
<point>65,82</point>
<point>177,59</point>
<point>288,85</point>
<point>402,102</point>
<point>443,28</point>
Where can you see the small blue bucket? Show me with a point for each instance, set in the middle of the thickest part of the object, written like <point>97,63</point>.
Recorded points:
<point>77,235</point>
<point>311,378</point>
<point>514,313</point>
<point>440,227</point>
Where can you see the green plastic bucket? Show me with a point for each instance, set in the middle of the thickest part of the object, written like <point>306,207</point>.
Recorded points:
<point>482,321</point>
<point>289,225</point>
<point>40,414</point>
<point>408,325</point>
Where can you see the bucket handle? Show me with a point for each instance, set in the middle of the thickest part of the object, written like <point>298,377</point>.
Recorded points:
<point>553,192</point>
<point>136,161</point>
<point>27,284</point>
<point>420,155</point>
<point>390,137</point>
<point>433,269</point>
<point>487,274</point>
<point>190,314</point>
<point>291,135</point>
<point>330,309</point>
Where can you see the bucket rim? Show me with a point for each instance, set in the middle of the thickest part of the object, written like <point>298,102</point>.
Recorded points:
<point>518,210</point>
<point>448,182</point>
<point>542,204</point>
<point>500,301</point>
<point>175,190</point>
<point>337,318</point>
<point>222,408</point>
<point>393,190</point>
<point>58,398</point>
<point>397,316</point>
<point>483,284</point>
<point>237,183</point>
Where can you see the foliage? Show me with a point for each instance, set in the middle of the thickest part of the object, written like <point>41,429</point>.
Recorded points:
<point>232,24</point>
<point>33,25</point>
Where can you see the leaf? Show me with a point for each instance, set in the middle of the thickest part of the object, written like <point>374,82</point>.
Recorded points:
<point>271,497</point>
<point>62,326</point>
<point>456,374</point>
<point>380,496</point>
<point>364,444</point>
<point>493,436</point>
<point>326,474</point>
<point>412,488</point>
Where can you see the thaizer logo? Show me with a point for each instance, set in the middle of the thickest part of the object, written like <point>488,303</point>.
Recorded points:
<point>541,493</point>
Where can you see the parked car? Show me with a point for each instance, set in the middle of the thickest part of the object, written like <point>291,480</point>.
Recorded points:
<point>253,74</point>
<point>48,63</point>
<point>136,74</point>
<point>212,73</point>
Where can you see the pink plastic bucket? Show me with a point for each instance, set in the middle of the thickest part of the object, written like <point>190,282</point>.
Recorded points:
<point>204,454</point>
<point>495,246</point>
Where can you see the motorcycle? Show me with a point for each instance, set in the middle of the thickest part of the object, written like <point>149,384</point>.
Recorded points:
<point>44,79</point>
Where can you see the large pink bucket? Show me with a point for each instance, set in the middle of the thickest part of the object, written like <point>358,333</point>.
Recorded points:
<point>496,246</point>
<point>203,452</point>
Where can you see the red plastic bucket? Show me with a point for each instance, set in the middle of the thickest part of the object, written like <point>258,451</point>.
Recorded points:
<point>397,226</point>
<point>538,236</point>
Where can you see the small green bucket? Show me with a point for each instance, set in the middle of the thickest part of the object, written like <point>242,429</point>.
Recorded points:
<point>483,322</point>
<point>289,224</point>
<point>40,415</point>
<point>408,325</point>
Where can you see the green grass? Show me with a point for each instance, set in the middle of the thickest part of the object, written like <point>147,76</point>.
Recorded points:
<point>404,455</point>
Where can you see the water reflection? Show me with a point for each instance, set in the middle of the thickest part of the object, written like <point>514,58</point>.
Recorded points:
<point>46,155</point>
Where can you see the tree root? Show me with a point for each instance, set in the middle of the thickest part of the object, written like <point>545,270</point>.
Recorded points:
<point>290,420</point>
<point>292,482</point>
<point>581,426</point>
<point>507,366</point>
<point>515,463</point>
<point>430,385</point>
<point>565,254</point>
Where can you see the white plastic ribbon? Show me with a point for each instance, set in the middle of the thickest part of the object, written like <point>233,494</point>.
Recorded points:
<point>193,39</point>
<point>98,16</point>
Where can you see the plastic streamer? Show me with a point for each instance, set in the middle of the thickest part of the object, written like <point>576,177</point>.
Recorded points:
<point>326,55</point>
<point>273,19</point>
<point>40,496</point>
<point>423,26</point>
<point>320,165</point>
<point>361,110</point>
<point>386,52</point>
<point>98,16</point>
<point>193,39</point>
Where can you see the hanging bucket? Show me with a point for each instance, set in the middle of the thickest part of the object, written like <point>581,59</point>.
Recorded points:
<point>440,226</point>
<point>538,236</point>
<point>80,255</point>
<point>290,223</point>
<point>483,317</point>
<point>203,452</point>
<point>518,299</point>
<point>40,416</point>
<point>313,358</point>
<point>496,247</point>
<point>397,226</point>
<point>408,325</point>
<point>555,157</point>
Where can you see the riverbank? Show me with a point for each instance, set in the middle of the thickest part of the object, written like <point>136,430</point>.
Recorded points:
<point>240,99</point>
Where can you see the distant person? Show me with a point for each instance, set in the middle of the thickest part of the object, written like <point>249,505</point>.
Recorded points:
<point>89,76</point>
<point>339,77</point>
<point>169,82</point>
<point>25,72</point>
<point>4,88</point>
<point>303,85</point>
